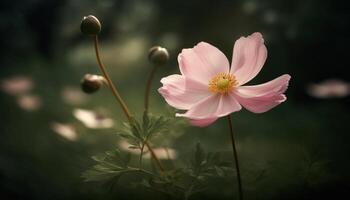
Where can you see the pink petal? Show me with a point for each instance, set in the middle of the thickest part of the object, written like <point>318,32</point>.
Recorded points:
<point>202,62</point>
<point>263,97</point>
<point>249,55</point>
<point>214,106</point>
<point>202,122</point>
<point>181,92</point>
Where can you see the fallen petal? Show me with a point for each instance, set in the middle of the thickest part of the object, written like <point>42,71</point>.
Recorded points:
<point>29,102</point>
<point>332,88</point>
<point>17,85</point>
<point>92,119</point>
<point>66,131</point>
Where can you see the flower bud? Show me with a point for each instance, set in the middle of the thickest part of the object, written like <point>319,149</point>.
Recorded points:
<point>91,83</point>
<point>90,25</point>
<point>158,55</point>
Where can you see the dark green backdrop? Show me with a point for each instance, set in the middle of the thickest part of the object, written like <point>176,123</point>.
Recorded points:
<point>301,147</point>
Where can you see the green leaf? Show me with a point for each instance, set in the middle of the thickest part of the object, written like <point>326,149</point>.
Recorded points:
<point>99,158</point>
<point>136,128</point>
<point>157,124</point>
<point>95,175</point>
<point>109,165</point>
<point>133,147</point>
<point>214,158</point>
<point>220,172</point>
<point>145,183</point>
<point>130,138</point>
<point>145,123</point>
<point>131,132</point>
<point>116,157</point>
<point>136,134</point>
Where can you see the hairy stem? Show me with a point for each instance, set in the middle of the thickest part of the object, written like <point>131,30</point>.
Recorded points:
<point>240,191</point>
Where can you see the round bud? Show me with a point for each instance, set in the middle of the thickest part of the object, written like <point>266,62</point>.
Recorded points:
<point>158,55</point>
<point>91,83</point>
<point>90,25</point>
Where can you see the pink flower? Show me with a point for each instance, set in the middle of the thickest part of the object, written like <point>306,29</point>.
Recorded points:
<point>208,88</point>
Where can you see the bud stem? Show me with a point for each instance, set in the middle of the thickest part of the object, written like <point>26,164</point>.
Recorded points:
<point>148,87</point>
<point>109,81</point>
<point>154,156</point>
<point>119,98</point>
<point>146,104</point>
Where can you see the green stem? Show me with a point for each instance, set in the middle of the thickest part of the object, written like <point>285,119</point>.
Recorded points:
<point>154,156</point>
<point>109,81</point>
<point>141,155</point>
<point>141,170</point>
<point>148,87</point>
<point>240,191</point>
<point>119,98</point>
<point>146,105</point>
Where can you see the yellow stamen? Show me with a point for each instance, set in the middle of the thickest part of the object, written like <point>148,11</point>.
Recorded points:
<point>222,83</point>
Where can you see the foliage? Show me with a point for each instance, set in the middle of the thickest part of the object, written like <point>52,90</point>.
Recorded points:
<point>137,134</point>
<point>110,165</point>
<point>180,182</point>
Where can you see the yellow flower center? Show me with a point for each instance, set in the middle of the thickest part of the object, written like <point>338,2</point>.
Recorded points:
<point>222,83</point>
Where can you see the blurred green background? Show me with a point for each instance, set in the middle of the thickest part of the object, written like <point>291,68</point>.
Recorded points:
<point>299,150</point>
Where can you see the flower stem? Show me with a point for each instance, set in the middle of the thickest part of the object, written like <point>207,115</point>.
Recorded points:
<point>120,100</point>
<point>240,191</point>
<point>148,87</point>
<point>154,156</point>
<point>109,81</point>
